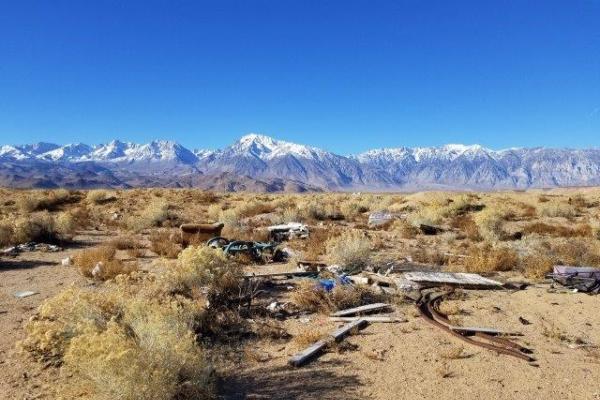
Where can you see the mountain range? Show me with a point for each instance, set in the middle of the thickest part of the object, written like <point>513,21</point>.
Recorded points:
<point>261,163</point>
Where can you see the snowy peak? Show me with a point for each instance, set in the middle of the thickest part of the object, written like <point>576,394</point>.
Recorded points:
<point>277,163</point>
<point>266,148</point>
<point>69,152</point>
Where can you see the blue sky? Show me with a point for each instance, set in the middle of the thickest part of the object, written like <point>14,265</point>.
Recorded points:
<point>343,75</point>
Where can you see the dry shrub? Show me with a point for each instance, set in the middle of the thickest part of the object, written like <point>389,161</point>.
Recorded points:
<point>576,251</point>
<point>314,246</point>
<point>204,266</point>
<point>63,317</point>
<point>38,201</point>
<point>490,223</point>
<point>406,230</point>
<point>537,265</point>
<point>162,243</point>
<point>214,212</point>
<point>429,255</point>
<point>351,250</point>
<point>110,267</point>
<point>119,347</point>
<point>466,225</point>
<point>490,258</point>
<point>352,209</point>
<point>151,354</point>
<point>6,232</point>
<point>37,227</point>
<point>541,228</point>
<point>155,214</point>
<point>308,296</point>
<point>99,196</point>
<point>557,209</point>
<point>125,242</point>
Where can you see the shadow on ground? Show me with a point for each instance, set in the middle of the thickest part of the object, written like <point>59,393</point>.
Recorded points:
<point>324,381</point>
<point>6,265</point>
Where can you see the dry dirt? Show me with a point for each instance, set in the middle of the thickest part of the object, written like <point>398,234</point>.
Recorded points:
<point>409,360</point>
<point>384,361</point>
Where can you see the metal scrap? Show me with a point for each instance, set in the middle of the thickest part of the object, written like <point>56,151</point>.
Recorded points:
<point>428,307</point>
<point>291,230</point>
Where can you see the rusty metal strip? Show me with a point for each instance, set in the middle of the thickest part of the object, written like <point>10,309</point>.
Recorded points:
<point>428,310</point>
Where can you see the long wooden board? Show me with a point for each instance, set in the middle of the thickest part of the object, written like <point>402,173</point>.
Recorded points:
<point>451,278</point>
<point>362,309</point>
<point>382,319</point>
<point>313,350</point>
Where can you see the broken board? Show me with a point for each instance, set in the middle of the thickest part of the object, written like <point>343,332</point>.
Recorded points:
<point>362,309</point>
<point>382,319</point>
<point>307,354</point>
<point>451,278</point>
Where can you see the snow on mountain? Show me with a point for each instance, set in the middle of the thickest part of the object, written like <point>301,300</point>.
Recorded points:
<point>261,161</point>
<point>69,152</point>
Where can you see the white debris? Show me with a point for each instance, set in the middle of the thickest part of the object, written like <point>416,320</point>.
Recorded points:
<point>274,307</point>
<point>380,218</point>
<point>25,293</point>
<point>335,269</point>
<point>65,262</point>
<point>97,269</point>
<point>291,230</point>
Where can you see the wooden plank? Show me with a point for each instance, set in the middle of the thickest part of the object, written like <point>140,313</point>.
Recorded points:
<point>359,280</point>
<point>450,278</point>
<point>299,359</point>
<point>368,319</point>
<point>380,278</point>
<point>361,309</point>
<point>340,333</point>
<point>307,354</point>
<point>276,274</point>
<point>492,331</point>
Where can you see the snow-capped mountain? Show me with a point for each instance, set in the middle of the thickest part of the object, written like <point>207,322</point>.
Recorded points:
<point>258,162</point>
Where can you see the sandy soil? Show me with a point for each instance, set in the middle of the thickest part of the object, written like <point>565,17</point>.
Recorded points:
<point>43,273</point>
<point>384,361</point>
<point>410,360</point>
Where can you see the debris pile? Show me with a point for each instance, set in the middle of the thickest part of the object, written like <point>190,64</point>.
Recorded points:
<point>30,246</point>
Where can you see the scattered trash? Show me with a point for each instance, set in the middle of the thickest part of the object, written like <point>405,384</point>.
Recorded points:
<point>291,230</point>
<point>580,279</point>
<point>66,261</point>
<point>430,229</point>
<point>379,218</point>
<point>313,266</point>
<point>524,321</point>
<point>30,246</point>
<point>461,279</point>
<point>329,284</point>
<point>25,293</point>
<point>258,251</point>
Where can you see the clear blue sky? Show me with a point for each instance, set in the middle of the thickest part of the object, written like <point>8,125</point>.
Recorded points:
<point>344,75</point>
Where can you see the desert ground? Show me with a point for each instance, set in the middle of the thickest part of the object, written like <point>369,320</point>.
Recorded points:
<point>126,308</point>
